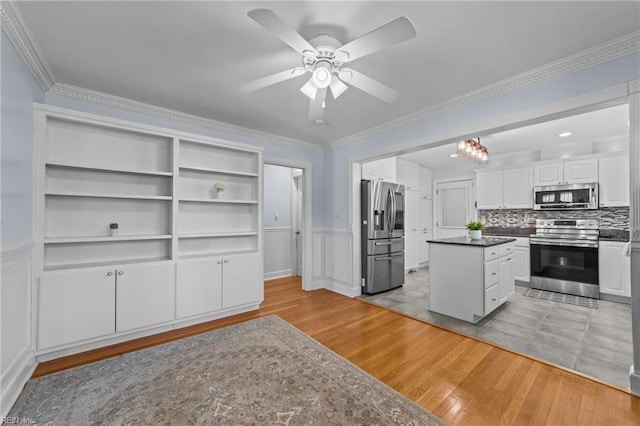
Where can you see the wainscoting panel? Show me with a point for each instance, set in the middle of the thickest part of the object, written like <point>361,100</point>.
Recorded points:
<point>337,254</point>
<point>17,360</point>
<point>277,252</point>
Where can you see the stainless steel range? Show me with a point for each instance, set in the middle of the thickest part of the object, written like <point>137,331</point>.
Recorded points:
<point>564,256</point>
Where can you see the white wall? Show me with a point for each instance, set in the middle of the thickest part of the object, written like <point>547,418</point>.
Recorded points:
<point>19,91</point>
<point>277,221</point>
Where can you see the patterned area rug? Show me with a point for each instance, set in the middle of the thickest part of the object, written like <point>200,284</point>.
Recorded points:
<point>562,298</point>
<point>261,372</point>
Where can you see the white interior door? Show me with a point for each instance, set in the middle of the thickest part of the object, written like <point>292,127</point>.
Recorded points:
<point>455,208</point>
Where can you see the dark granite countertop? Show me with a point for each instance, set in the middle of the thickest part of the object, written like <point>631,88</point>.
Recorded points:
<point>466,241</point>
<point>504,231</point>
<point>614,235</point>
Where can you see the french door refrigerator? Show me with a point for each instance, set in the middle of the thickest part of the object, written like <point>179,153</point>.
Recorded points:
<point>382,236</point>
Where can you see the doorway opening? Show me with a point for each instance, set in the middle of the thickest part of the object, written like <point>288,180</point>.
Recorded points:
<point>286,213</point>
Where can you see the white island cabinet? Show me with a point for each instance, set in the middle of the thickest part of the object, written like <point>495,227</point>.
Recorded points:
<point>470,278</point>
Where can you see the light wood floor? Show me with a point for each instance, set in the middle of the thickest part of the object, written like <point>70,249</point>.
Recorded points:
<point>461,380</point>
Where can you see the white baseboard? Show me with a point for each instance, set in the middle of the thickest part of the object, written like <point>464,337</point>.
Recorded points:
<point>277,274</point>
<point>14,380</point>
<point>343,289</point>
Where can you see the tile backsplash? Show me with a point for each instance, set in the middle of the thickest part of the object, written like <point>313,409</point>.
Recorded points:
<point>609,217</point>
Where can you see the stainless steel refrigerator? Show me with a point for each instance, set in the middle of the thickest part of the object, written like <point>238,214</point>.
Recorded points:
<point>382,236</point>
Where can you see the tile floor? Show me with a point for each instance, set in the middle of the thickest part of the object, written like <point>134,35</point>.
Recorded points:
<point>596,342</point>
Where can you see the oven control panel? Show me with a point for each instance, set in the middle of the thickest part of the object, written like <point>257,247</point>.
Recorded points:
<point>568,223</point>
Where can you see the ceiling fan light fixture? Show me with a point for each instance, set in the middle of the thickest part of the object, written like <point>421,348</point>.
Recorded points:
<point>337,87</point>
<point>309,89</point>
<point>321,77</point>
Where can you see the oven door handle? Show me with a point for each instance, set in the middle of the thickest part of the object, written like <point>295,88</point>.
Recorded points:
<point>564,243</point>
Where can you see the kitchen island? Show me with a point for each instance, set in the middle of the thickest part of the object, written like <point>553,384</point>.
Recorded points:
<point>468,278</point>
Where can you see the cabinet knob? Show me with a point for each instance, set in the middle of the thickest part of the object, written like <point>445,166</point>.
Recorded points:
<point>225,261</point>
<point>493,253</point>
<point>509,259</point>
<point>493,300</point>
<point>120,273</point>
<point>219,262</point>
<point>109,273</point>
<point>493,273</point>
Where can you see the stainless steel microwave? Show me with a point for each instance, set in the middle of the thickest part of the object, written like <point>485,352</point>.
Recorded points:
<point>577,196</point>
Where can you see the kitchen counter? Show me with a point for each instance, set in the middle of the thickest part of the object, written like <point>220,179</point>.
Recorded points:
<point>466,241</point>
<point>504,231</point>
<point>614,235</point>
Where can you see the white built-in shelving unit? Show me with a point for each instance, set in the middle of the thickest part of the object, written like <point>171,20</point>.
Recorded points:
<point>159,186</point>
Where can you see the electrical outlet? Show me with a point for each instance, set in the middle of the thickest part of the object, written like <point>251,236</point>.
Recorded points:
<point>3,214</point>
<point>275,217</point>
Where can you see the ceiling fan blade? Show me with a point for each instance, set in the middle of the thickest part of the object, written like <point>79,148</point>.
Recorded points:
<point>271,79</point>
<point>316,110</point>
<point>369,85</point>
<point>387,35</point>
<point>271,22</point>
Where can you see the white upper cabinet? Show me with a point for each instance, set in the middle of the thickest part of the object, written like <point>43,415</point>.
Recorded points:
<point>384,169</point>
<point>510,188</point>
<point>489,189</point>
<point>518,188</point>
<point>614,181</point>
<point>407,174</point>
<point>425,176</point>
<point>564,172</point>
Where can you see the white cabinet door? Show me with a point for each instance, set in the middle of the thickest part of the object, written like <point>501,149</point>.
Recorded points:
<point>517,188</point>
<point>411,233</point>
<point>370,170</point>
<point>548,174</point>
<point>522,264</point>
<point>198,287</point>
<point>581,171</point>
<point>242,280</point>
<point>387,169</point>
<point>425,213</point>
<point>423,246</point>
<point>145,295</point>
<point>489,189</point>
<point>425,175</point>
<point>506,284</point>
<point>411,249</point>
<point>613,177</point>
<point>75,305</point>
<point>614,269</point>
<point>407,174</point>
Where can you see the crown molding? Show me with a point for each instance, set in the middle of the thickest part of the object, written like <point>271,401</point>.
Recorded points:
<point>101,98</point>
<point>13,27</point>
<point>613,49</point>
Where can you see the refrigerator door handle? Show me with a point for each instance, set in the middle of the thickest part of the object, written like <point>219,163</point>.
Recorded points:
<point>388,257</point>
<point>393,211</point>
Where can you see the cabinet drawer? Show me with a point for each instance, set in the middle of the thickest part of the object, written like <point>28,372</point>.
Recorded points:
<point>505,249</point>
<point>491,300</point>
<point>490,253</point>
<point>490,273</point>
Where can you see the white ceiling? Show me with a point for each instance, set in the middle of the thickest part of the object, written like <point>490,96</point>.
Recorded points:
<point>192,56</point>
<point>601,127</point>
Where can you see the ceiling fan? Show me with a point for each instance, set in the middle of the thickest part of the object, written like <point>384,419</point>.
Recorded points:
<point>324,57</point>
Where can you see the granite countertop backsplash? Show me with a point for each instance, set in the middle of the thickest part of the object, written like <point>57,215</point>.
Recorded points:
<point>506,231</point>
<point>614,235</point>
<point>509,231</point>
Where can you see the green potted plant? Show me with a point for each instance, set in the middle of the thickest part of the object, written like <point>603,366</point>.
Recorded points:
<point>113,227</point>
<point>475,229</point>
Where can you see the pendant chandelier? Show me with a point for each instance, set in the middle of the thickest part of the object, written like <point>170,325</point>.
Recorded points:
<point>473,150</point>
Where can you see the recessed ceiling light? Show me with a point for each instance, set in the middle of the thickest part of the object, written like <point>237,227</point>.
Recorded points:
<point>565,134</point>
<point>453,155</point>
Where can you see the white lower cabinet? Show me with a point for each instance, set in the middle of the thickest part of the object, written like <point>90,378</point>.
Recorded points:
<point>423,247</point>
<point>241,280</point>
<point>76,305</point>
<point>198,287</point>
<point>614,269</point>
<point>145,295</point>
<point>83,304</point>
<point>506,285</point>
